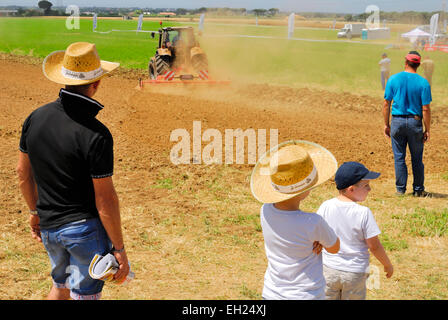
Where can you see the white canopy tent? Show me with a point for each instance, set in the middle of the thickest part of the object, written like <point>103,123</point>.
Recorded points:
<point>416,34</point>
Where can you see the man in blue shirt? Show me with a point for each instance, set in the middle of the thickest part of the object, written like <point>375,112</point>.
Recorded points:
<point>411,97</point>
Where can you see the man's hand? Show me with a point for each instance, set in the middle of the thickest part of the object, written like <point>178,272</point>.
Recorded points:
<point>426,136</point>
<point>387,131</point>
<point>123,269</point>
<point>317,247</point>
<point>35,228</point>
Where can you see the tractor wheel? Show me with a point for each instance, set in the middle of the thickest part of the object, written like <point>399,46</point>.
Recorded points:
<point>151,70</point>
<point>199,62</point>
<point>161,64</point>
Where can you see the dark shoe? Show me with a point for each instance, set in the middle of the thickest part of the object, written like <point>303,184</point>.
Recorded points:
<point>422,194</point>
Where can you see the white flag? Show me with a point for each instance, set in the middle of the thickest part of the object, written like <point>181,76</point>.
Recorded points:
<point>291,25</point>
<point>140,23</point>
<point>433,26</point>
<point>95,17</point>
<point>201,22</point>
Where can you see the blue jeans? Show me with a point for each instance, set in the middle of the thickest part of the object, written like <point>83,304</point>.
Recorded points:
<point>407,132</point>
<point>70,249</point>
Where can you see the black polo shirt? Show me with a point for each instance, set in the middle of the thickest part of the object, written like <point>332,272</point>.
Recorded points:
<point>67,147</point>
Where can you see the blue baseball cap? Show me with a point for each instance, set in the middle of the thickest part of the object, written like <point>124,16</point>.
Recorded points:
<point>350,173</point>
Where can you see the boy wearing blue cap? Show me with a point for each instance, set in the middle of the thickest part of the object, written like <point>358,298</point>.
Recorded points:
<point>346,272</point>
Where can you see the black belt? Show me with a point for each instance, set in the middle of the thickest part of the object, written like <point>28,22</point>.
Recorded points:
<point>417,117</point>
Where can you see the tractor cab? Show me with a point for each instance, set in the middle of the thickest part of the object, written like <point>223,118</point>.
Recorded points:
<point>176,36</point>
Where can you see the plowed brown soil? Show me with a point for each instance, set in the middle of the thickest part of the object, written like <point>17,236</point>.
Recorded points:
<point>348,125</point>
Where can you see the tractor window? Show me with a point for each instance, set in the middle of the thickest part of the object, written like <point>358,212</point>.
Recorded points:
<point>173,37</point>
<point>189,39</point>
<point>185,37</point>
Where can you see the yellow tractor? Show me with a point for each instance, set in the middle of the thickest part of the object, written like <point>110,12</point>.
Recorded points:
<point>178,56</point>
<point>178,60</point>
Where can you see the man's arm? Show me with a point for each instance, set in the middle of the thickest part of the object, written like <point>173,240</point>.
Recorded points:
<point>426,121</point>
<point>108,208</point>
<point>386,116</point>
<point>28,189</point>
<point>378,251</point>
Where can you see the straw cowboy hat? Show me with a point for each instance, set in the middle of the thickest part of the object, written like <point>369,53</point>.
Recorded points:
<point>290,169</point>
<point>80,64</point>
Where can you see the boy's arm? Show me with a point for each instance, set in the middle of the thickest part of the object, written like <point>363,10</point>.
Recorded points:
<point>335,247</point>
<point>317,247</point>
<point>378,251</point>
<point>325,236</point>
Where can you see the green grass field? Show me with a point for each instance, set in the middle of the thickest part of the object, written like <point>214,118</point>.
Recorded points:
<point>337,66</point>
<point>194,232</point>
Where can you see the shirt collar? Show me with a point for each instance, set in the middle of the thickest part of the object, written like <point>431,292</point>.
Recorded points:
<point>79,103</point>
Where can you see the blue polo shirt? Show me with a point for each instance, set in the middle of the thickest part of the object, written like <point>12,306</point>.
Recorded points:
<point>409,92</point>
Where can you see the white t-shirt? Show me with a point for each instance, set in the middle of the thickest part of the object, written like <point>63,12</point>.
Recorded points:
<point>384,64</point>
<point>353,224</point>
<point>294,272</point>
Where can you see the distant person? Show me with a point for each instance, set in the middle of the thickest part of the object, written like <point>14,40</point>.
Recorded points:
<point>385,69</point>
<point>281,180</point>
<point>346,272</point>
<point>411,122</point>
<point>65,173</point>
<point>428,69</point>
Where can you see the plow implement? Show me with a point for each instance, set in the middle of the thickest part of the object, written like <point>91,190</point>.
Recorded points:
<point>171,78</point>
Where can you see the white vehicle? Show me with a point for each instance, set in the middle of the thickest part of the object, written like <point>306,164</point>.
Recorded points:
<point>351,30</point>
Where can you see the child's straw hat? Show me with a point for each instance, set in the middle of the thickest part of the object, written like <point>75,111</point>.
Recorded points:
<point>290,169</point>
<point>80,64</point>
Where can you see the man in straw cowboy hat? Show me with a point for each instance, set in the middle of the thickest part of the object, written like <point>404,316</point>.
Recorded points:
<point>411,96</point>
<point>282,179</point>
<point>65,173</point>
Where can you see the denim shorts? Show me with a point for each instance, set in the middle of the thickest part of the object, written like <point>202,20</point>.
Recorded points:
<point>71,248</point>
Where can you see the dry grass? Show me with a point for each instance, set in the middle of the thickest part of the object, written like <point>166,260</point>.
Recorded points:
<point>193,232</point>
<point>208,244</point>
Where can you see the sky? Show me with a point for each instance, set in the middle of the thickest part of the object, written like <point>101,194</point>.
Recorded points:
<point>336,6</point>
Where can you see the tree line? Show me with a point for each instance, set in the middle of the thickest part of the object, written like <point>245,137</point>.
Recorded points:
<point>408,17</point>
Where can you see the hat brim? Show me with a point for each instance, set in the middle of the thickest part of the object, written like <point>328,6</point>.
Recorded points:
<point>52,68</point>
<point>261,186</point>
<point>371,175</point>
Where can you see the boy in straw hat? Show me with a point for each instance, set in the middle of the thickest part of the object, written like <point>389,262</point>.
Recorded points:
<point>282,179</point>
<point>65,173</point>
<point>346,272</point>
